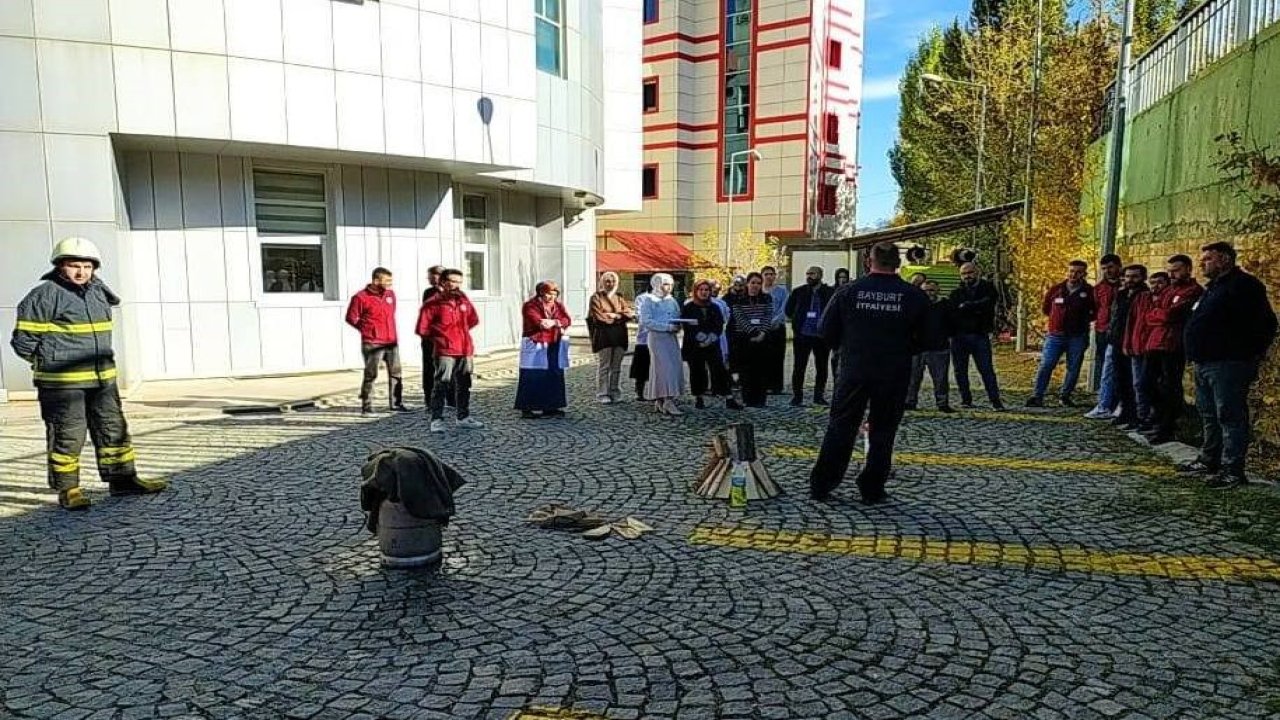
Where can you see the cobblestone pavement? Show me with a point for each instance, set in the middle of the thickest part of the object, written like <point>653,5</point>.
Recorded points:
<point>1006,580</point>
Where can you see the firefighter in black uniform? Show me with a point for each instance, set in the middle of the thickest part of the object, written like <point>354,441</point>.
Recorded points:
<point>64,331</point>
<point>878,323</point>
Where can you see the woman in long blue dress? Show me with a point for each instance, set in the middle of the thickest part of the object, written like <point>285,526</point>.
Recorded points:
<point>541,392</point>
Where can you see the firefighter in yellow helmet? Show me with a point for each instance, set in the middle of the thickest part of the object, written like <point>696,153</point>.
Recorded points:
<point>64,331</point>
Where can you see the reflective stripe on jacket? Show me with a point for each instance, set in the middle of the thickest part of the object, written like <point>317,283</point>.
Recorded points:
<point>64,331</point>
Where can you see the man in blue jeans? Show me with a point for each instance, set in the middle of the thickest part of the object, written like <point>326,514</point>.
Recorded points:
<point>1070,308</point>
<point>1228,334</point>
<point>975,315</point>
<point>1104,369</point>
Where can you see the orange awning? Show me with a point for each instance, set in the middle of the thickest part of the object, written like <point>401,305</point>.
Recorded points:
<point>645,252</point>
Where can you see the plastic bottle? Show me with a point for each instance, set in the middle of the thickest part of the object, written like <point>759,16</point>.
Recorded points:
<point>738,486</point>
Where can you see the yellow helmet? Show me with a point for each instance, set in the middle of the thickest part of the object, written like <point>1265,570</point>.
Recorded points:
<point>76,248</point>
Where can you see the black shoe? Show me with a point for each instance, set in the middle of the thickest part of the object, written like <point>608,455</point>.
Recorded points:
<point>967,404</point>
<point>1227,480</point>
<point>553,414</point>
<point>1067,401</point>
<point>733,404</point>
<point>699,403</point>
<point>797,402</point>
<point>367,411</point>
<point>1196,467</point>
<point>400,408</point>
<point>1035,401</point>
<point>946,409</point>
<point>1123,421</point>
<point>997,406</point>
<point>875,498</point>
<point>528,415</point>
<point>821,401</point>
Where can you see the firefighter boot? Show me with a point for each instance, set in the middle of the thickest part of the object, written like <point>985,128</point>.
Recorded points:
<point>135,485</point>
<point>73,499</point>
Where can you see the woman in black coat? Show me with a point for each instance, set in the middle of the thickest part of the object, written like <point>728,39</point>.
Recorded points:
<point>701,349</point>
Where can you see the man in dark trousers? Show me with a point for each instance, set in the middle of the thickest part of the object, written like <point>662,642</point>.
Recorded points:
<point>935,353</point>
<point>1166,359</point>
<point>975,305</point>
<point>804,306</point>
<point>372,311</point>
<point>1135,284</point>
<point>1227,336</point>
<point>64,330</point>
<point>428,352</point>
<point>1070,308</point>
<point>1103,367</point>
<point>446,321</point>
<point>877,322</point>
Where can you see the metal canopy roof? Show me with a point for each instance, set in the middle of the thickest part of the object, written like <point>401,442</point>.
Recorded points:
<point>916,231</point>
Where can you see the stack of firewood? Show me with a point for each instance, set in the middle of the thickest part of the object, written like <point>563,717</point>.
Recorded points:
<point>715,479</point>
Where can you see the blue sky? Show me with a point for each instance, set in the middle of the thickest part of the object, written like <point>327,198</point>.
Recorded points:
<point>893,29</point>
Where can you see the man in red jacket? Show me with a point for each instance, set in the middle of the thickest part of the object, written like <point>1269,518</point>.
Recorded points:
<point>1070,307</point>
<point>372,311</point>
<point>1104,370</point>
<point>1166,360</point>
<point>445,322</point>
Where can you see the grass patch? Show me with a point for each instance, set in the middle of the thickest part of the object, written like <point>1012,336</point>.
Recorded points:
<point>1249,515</point>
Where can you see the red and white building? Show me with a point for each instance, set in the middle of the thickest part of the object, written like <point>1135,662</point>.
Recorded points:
<point>783,77</point>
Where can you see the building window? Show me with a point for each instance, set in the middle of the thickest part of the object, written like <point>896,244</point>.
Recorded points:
<point>833,129</point>
<point>479,242</point>
<point>650,11</point>
<point>826,199</point>
<point>549,29</point>
<point>649,182</point>
<point>834,50</point>
<point>291,212</point>
<point>651,95</point>
<point>736,129</point>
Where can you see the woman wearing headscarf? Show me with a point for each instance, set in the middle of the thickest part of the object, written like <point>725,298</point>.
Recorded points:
<point>640,356</point>
<point>544,353</point>
<point>701,349</point>
<point>660,315</point>
<point>750,316</point>
<point>610,313</point>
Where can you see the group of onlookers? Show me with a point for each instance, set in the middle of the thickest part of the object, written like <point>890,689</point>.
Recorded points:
<point>1146,329</point>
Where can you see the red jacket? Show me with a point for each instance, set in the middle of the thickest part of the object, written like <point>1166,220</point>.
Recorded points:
<point>1168,315</point>
<point>1136,330</point>
<point>534,312</point>
<point>1104,293</point>
<point>1069,312</point>
<point>373,313</point>
<point>446,320</point>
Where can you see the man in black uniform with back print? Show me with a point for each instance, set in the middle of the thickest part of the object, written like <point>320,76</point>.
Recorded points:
<point>878,322</point>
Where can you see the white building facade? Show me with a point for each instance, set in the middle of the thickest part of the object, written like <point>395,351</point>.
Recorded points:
<point>245,164</point>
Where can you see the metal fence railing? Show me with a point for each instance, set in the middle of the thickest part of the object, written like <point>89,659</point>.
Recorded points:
<point>1206,34</point>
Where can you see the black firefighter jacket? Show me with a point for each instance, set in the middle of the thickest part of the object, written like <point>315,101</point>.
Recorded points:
<point>64,331</point>
<point>412,477</point>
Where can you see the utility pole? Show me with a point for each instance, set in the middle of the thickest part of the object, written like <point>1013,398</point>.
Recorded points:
<point>1119,102</point>
<point>1028,213</point>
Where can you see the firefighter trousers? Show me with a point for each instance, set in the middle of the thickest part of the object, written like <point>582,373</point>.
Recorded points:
<point>67,414</point>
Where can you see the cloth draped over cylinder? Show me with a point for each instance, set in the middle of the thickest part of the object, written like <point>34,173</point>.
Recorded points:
<point>534,355</point>
<point>410,476</point>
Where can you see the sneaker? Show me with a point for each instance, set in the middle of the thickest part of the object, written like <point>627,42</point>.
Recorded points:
<point>1196,467</point>
<point>1067,401</point>
<point>997,406</point>
<point>1098,413</point>
<point>367,411</point>
<point>528,415</point>
<point>606,400</point>
<point>73,499</point>
<point>137,486</point>
<point>470,423</point>
<point>1227,480</point>
<point>437,425</point>
<point>399,408</point>
<point>1035,401</point>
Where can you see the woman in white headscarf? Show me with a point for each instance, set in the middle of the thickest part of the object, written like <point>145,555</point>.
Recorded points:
<point>660,315</point>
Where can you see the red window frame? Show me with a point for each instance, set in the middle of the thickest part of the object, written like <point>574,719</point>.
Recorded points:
<point>657,97</point>
<point>643,170</point>
<point>832,135</point>
<point>835,51</point>
<point>827,199</point>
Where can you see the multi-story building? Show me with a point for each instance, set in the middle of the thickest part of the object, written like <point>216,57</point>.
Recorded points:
<point>722,78</point>
<point>245,164</point>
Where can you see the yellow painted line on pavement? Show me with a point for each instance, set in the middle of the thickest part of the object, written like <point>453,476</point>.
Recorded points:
<point>994,554</point>
<point>549,713</point>
<point>798,452</point>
